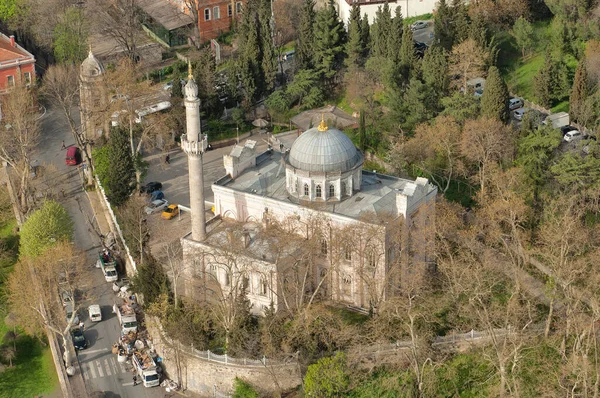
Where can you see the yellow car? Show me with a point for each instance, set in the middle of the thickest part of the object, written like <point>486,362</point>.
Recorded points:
<point>170,212</point>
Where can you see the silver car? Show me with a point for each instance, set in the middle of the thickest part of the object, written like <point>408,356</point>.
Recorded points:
<point>419,25</point>
<point>156,206</point>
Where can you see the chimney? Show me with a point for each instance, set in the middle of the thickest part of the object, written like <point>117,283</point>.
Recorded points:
<point>12,40</point>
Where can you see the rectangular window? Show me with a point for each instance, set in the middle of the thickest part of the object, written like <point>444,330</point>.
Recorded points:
<point>238,7</point>
<point>27,77</point>
<point>11,81</point>
<point>229,10</point>
<point>207,14</point>
<point>216,13</point>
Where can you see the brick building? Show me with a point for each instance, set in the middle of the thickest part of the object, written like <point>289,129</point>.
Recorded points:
<point>214,16</point>
<point>16,64</point>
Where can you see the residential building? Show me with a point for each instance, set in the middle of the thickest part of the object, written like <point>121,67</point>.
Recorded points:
<point>409,8</point>
<point>17,65</point>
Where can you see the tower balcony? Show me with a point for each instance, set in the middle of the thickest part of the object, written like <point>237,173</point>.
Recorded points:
<point>194,146</point>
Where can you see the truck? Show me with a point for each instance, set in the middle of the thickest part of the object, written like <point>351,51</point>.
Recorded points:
<point>126,316</point>
<point>557,120</point>
<point>108,265</point>
<point>146,368</point>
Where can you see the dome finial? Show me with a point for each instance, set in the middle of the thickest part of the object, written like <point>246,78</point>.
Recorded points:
<point>323,125</point>
<point>190,74</point>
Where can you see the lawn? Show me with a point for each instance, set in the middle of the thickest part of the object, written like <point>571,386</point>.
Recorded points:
<point>33,372</point>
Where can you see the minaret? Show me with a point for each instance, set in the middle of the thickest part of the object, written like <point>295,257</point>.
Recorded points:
<point>194,144</point>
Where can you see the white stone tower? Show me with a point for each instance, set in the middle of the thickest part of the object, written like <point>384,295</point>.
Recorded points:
<point>91,95</point>
<point>194,144</point>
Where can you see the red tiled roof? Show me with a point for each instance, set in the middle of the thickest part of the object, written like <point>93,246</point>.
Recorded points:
<point>8,52</point>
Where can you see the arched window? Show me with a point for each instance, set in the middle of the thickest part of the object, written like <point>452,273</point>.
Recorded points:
<point>344,189</point>
<point>319,193</point>
<point>331,191</point>
<point>306,190</point>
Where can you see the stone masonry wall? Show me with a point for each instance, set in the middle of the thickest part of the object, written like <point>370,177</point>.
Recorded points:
<point>204,376</point>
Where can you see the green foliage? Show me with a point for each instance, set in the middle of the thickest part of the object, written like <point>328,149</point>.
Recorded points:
<point>535,153</point>
<point>329,42</point>
<point>465,375</point>
<point>150,281</point>
<point>461,107</point>
<point>238,115</point>
<point>119,178</point>
<point>243,389</point>
<point>365,33</point>
<point>435,70</point>
<point>579,92</point>
<point>523,33</point>
<point>494,101</point>
<point>354,47</point>
<point>396,39</point>
<point>305,50</point>
<point>176,88</point>
<point>385,384</point>
<point>327,378</point>
<point>381,31</point>
<point>44,228</point>
<point>277,102</point>
<point>71,36</point>
<point>581,171</point>
<point>442,27</point>
<point>543,85</point>
<point>407,58</point>
<point>304,89</point>
<point>414,106</point>
<point>461,21</point>
<point>243,335</point>
<point>204,76</point>
<point>14,12</point>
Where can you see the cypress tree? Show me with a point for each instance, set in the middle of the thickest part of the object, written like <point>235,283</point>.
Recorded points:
<point>442,27</point>
<point>176,89</point>
<point>435,70</point>
<point>382,28</point>
<point>305,54</point>
<point>478,32</point>
<point>460,18</point>
<point>329,42</point>
<point>354,47</point>
<point>365,32</point>
<point>250,55</point>
<point>362,131</point>
<point>580,90</point>
<point>494,101</point>
<point>543,83</point>
<point>269,58</point>
<point>407,58</point>
<point>120,178</point>
<point>395,37</point>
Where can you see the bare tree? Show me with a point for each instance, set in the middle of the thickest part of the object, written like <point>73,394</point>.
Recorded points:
<point>467,61</point>
<point>19,135</point>
<point>61,86</point>
<point>176,268</point>
<point>38,289</point>
<point>132,217</point>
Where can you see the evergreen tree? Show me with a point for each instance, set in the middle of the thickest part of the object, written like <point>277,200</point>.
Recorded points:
<point>150,281</point>
<point>442,26</point>
<point>362,131</point>
<point>119,182</point>
<point>176,88</point>
<point>269,57</point>
<point>478,32</point>
<point>407,58</point>
<point>435,71</point>
<point>381,30</point>
<point>365,32</point>
<point>460,18</point>
<point>243,336</point>
<point>580,90</point>
<point>354,47</point>
<point>395,37</point>
<point>494,101</point>
<point>522,31</point>
<point>329,42</point>
<point>305,54</point>
<point>544,82</point>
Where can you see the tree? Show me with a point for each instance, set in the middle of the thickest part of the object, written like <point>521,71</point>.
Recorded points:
<point>61,86</point>
<point>579,92</point>
<point>354,47</point>
<point>435,70</point>
<point>119,182</point>
<point>70,36</point>
<point>407,58</point>
<point>327,378</point>
<point>494,101</point>
<point>269,56</point>
<point>396,39</point>
<point>499,14</point>
<point>522,31</point>
<point>304,82</point>
<point>535,153</point>
<point>150,281</point>
<point>9,353</point>
<point>243,389</point>
<point>33,292</point>
<point>365,33</point>
<point>442,27</point>
<point>412,107</point>
<point>461,107</point>
<point>544,83</point>
<point>484,141</point>
<point>305,50</point>
<point>133,220</point>
<point>243,338</point>
<point>277,102</point>
<point>460,19</point>
<point>467,61</point>
<point>381,31</point>
<point>329,42</point>
<point>49,224</point>
<point>120,20</point>
<point>204,71</point>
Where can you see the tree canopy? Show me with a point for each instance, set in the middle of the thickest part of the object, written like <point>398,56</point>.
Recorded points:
<point>47,226</point>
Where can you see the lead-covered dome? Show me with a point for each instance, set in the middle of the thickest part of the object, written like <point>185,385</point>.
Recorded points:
<point>322,149</point>
<point>91,67</point>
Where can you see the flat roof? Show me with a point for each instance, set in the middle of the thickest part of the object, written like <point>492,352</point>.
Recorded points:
<point>165,13</point>
<point>377,193</point>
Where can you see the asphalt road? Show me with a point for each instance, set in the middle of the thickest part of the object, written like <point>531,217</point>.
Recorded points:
<point>99,366</point>
<point>424,35</point>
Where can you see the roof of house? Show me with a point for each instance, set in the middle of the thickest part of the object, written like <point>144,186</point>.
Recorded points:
<point>165,13</point>
<point>11,53</point>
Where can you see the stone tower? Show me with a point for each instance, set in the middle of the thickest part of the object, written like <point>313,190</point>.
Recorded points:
<point>194,144</point>
<point>90,96</point>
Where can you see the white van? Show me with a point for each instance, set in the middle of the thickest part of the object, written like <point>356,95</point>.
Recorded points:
<point>95,313</point>
<point>573,135</point>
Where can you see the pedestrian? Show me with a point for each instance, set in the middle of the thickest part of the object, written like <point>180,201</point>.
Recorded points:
<point>135,380</point>
<point>167,159</point>
<point>81,326</point>
<point>63,145</point>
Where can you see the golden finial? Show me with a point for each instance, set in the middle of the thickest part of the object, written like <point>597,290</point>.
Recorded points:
<point>323,125</point>
<point>190,75</point>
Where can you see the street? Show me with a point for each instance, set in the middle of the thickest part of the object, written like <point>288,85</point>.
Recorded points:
<point>100,369</point>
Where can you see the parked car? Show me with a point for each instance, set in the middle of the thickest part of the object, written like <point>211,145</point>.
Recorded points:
<point>519,113</point>
<point>95,313</point>
<point>170,212</point>
<point>65,297</point>
<point>420,48</point>
<point>151,187</point>
<point>156,206</point>
<point>478,93</point>
<point>73,156</point>
<point>565,129</point>
<point>515,103</point>
<point>79,340</point>
<point>419,25</point>
<point>573,135</point>
<point>69,312</point>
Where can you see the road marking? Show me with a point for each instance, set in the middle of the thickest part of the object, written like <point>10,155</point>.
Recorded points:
<point>84,367</point>
<point>123,370</point>
<point>92,371</point>
<point>127,384</point>
<point>107,367</point>
<point>94,351</point>
<point>99,366</point>
<point>113,365</point>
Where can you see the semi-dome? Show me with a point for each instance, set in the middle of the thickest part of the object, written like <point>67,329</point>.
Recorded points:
<point>323,149</point>
<point>91,66</point>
